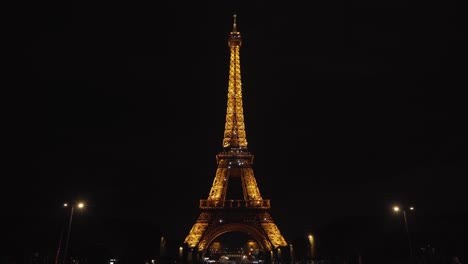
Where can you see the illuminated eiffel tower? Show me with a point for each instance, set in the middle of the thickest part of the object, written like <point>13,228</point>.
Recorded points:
<point>219,213</point>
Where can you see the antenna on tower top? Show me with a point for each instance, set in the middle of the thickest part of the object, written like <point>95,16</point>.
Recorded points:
<point>234,26</point>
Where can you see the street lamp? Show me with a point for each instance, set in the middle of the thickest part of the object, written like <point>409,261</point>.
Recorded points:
<point>80,206</point>
<point>291,252</point>
<point>310,238</point>
<point>59,245</point>
<point>398,209</point>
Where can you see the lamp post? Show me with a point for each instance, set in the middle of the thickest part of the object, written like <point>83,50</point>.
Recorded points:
<point>310,238</point>
<point>59,246</point>
<point>291,251</point>
<point>79,205</point>
<point>397,209</point>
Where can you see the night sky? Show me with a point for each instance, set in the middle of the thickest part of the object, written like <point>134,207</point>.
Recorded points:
<point>349,108</point>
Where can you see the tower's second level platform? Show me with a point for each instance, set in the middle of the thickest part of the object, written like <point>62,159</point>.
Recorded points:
<point>244,204</point>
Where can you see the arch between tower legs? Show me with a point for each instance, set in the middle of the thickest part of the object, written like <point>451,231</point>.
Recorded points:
<point>251,230</point>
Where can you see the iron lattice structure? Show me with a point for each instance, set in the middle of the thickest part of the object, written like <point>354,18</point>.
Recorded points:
<point>220,214</point>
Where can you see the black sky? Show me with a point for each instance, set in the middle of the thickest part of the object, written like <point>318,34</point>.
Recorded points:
<point>349,107</point>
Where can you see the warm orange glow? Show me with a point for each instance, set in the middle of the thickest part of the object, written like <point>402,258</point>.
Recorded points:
<point>396,208</point>
<point>234,161</point>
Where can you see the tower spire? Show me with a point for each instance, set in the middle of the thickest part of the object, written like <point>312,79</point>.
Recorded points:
<point>234,129</point>
<point>234,25</point>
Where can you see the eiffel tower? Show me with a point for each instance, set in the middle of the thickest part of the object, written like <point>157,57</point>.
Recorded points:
<point>220,213</point>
